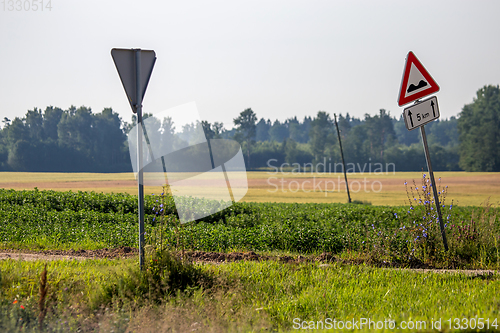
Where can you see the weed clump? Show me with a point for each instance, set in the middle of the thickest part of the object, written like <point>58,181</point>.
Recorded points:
<point>473,242</point>
<point>165,274</point>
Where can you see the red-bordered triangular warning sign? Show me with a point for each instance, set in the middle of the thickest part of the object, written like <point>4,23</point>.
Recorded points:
<point>416,82</point>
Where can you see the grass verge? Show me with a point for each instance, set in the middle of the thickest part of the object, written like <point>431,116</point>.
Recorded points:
<point>171,295</point>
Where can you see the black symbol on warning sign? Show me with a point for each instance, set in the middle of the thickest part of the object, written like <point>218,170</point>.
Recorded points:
<point>413,87</point>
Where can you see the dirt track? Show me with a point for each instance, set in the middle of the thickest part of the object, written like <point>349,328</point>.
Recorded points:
<point>325,259</point>
<point>122,252</point>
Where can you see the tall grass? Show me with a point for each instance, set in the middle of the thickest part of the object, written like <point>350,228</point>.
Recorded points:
<point>105,295</point>
<point>473,238</point>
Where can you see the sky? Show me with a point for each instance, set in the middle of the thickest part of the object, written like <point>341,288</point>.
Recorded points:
<point>280,58</point>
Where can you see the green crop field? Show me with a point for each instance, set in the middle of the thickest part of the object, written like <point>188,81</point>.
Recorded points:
<point>367,251</point>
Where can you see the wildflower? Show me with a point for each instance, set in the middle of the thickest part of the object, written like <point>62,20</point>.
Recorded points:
<point>154,218</point>
<point>15,301</point>
<point>416,188</point>
<point>362,242</point>
<point>396,215</point>
<point>22,307</point>
<point>424,187</point>
<point>439,178</point>
<point>406,183</point>
<point>424,175</point>
<point>411,208</point>
<point>161,205</point>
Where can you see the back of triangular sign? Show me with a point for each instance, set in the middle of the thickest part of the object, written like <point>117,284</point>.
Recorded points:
<point>124,60</point>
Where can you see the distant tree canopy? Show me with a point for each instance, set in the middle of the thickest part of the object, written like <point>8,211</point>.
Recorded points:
<point>374,139</point>
<point>77,139</point>
<point>479,128</point>
<point>69,140</point>
<point>246,129</point>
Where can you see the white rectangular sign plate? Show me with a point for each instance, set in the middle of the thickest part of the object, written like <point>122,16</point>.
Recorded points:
<point>422,113</point>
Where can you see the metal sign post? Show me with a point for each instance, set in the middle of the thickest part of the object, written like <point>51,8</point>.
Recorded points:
<point>417,116</point>
<point>138,108</point>
<point>342,155</point>
<point>134,67</point>
<point>415,84</point>
<point>434,188</point>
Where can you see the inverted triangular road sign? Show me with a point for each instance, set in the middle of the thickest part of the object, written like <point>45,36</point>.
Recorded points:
<point>125,62</point>
<point>416,82</point>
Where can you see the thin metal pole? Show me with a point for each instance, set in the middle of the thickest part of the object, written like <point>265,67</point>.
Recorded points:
<point>211,155</point>
<point>434,189</point>
<point>342,155</point>
<point>139,155</point>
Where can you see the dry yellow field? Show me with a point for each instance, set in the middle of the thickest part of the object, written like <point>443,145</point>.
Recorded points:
<point>464,188</point>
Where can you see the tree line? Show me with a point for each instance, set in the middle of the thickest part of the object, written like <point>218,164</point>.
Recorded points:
<point>379,139</point>
<point>76,140</point>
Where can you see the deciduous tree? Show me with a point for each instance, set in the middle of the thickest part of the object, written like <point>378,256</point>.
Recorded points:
<point>478,127</point>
